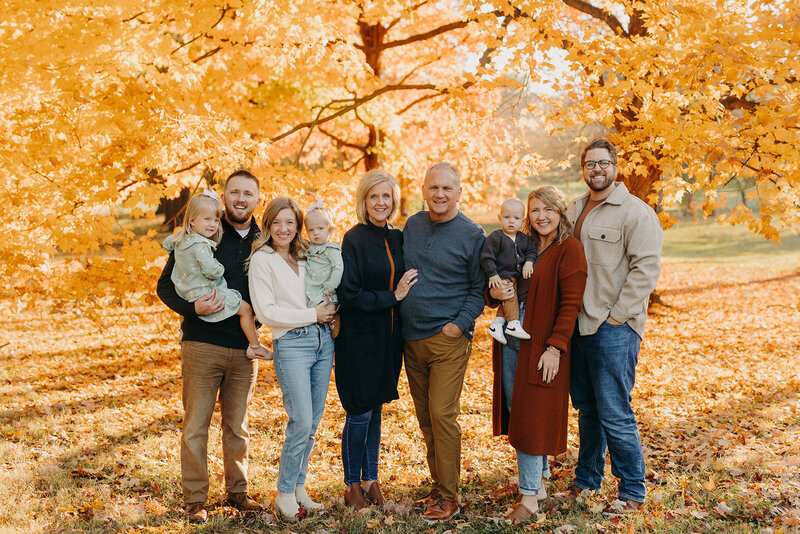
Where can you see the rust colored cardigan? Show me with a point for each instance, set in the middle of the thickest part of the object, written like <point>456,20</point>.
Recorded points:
<point>538,423</point>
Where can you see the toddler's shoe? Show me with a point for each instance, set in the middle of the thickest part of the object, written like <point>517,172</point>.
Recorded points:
<point>514,328</point>
<point>258,352</point>
<point>496,330</point>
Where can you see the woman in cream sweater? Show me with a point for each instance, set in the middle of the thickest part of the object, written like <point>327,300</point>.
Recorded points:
<point>302,344</point>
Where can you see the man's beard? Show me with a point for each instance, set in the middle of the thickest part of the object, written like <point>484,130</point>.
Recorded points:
<point>608,180</point>
<point>233,215</point>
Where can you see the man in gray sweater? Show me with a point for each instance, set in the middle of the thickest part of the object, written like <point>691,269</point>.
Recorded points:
<point>438,321</point>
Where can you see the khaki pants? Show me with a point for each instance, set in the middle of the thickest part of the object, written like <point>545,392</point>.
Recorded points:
<point>435,367</point>
<point>208,371</point>
<point>509,308</point>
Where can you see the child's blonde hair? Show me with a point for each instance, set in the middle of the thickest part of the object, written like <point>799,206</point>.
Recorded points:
<point>318,209</point>
<point>207,200</point>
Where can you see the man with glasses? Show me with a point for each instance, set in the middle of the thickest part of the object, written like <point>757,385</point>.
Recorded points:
<point>622,237</point>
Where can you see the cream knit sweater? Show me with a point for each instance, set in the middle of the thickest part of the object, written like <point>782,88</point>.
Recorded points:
<point>278,294</point>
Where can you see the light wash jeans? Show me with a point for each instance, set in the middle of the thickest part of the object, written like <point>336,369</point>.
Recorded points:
<point>532,469</point>
<point>602,375</point>
<point>303,363</point>
<point>361,443</point>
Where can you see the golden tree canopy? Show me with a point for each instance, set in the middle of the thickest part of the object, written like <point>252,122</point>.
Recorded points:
<point>108,107</point>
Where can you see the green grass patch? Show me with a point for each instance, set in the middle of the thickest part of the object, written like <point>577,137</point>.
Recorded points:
<point>709,241</point>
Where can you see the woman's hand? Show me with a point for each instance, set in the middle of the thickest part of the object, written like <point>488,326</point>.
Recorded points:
<point>325,312</point>
<point>548,364</point>
<point>409,279</point>
<point>504,291</point>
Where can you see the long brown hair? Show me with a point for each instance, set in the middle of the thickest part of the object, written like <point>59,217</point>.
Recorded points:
<point>555,199</point>
<point>298,246</point>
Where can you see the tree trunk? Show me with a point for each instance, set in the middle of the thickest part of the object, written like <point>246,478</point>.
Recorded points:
<point>172,208</point>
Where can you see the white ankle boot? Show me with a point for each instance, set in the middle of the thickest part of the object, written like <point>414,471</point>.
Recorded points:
<point>286,506</point>
<point>305,501</point>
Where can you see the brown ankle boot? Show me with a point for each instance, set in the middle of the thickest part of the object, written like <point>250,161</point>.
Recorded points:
<point>196,512</point>
<point>354,496</point>
<point>375,494</point>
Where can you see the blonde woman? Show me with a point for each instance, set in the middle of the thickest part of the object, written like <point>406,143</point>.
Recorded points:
<point>302,345</point>
<point>369,347</point>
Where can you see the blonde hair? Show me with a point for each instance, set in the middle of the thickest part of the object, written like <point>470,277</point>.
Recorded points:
<point>298,246</point>
<point>553,198</point>
<point>197,204</point>
<point>321,211</point>
<point>367,182</point>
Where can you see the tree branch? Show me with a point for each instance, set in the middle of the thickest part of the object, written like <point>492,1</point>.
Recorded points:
<point>203,34</point>
<point>341,141</point>
<point>187,168</point>
<point>354,165</point>
<point>424,36</point>
<point>207,54</point>
<point>133,17</point>
<point>599,14</point>
<point>356,102</point>
<point>308,135</point>
<point>400,18</point>
<point>421,99</point>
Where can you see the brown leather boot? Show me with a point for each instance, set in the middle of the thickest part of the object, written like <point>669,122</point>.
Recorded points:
<point>427,500</point>
<point>375,494</point>
<point>196,512</point>
<point>354,496</point>
<point>441,511</point>
<point>242,502</point>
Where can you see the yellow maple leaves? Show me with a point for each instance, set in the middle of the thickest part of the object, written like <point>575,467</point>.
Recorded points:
<point>109,108</point>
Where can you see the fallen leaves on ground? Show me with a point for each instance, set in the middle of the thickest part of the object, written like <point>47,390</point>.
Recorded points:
<point>91,415</point>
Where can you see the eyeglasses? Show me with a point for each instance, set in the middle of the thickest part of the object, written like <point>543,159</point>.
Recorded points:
<point>604,163</point>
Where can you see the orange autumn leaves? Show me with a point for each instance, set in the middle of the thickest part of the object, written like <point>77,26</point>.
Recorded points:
<point>91,419</point>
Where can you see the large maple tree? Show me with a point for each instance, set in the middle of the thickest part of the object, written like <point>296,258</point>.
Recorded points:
<point>110,107</point>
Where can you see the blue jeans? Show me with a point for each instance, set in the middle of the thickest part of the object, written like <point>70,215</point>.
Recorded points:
<point>361,443</point>
<point>303,363</point>
<point>601,379</point>
<point>532,469</point>
<point>508,356</point>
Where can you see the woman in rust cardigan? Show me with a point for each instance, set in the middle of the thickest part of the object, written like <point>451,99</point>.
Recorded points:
<point>537,424</point>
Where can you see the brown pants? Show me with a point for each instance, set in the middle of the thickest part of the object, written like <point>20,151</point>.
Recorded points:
<point>208,371</point>
<point>509,308</point>
<point>435,367</point>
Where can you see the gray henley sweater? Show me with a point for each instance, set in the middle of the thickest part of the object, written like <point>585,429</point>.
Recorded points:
<point>450,282</point>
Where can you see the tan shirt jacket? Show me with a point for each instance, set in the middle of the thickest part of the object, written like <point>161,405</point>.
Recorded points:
<point>622,239</point>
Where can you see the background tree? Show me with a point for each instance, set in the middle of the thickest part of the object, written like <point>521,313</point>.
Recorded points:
<point>111,107</point>
<point>696,93</point>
